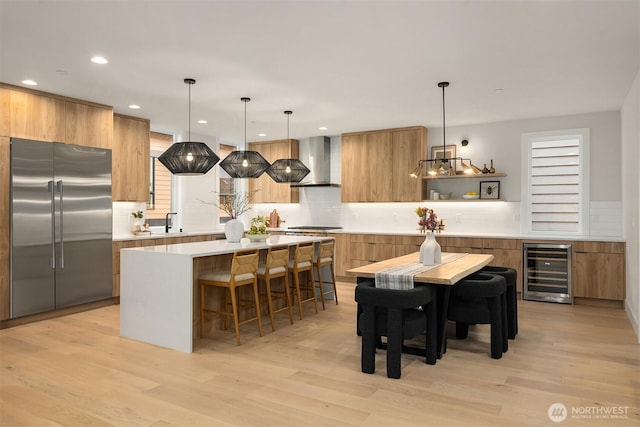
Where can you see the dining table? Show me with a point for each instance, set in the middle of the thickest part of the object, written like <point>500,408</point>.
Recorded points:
<point>440,278</point>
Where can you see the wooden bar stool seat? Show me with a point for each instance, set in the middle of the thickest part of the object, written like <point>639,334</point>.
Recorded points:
<point>303,262</point>
<point>276,267</point>
<point>325,258</point>
<point>243,272</point>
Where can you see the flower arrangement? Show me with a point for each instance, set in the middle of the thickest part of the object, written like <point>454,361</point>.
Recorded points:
<point>258,225</point>
<point>428,219</point>
<point>234,204</point>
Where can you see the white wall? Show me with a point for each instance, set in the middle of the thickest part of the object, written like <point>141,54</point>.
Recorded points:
<point>631,199</point>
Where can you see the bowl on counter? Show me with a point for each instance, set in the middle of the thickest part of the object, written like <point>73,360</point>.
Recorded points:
<point>257,237</point>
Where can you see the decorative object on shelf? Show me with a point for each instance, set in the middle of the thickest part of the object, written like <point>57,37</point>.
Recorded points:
<point>443,159</point>
<point>492,169</point>
<point>188,157</point>
<point>489,189</point>
<point>471,195</point>
<point>288,170</point>
<point>484,169</point>
<point>430,251</point>
<point>137,222</point>
<point>274,220</point>
<point>245,164</point>
<point>258,229</point>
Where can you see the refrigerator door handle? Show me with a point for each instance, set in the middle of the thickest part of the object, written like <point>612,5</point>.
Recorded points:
<point>52,191</point>
<point>60,186</point>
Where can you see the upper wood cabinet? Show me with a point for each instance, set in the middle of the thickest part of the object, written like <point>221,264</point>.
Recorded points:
<point>376,165</point>
<point>270,191</point>
<point>32,116</point>
<point>130,159</point>
<point>88,125</point>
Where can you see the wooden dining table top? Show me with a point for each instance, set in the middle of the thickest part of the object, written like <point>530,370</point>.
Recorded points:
<point>445,274</point>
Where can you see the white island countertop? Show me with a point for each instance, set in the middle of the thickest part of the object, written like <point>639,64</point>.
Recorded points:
<point>157,288</point>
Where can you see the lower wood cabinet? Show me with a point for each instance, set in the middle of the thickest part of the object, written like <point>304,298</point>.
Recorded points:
<point>599,270</point>
<point>369,248</point>
<point>342,259</point>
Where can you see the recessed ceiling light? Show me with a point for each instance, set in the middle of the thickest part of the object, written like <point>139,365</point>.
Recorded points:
<point>134,107</point>
<point>499,90</point>
<point>29,82</point>
<point>323,128</point>
<point>202,122</point>
<point>99,60</point>
<point>262,134</point>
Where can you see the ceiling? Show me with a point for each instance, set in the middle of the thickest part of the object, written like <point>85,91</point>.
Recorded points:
<point>346,65</point>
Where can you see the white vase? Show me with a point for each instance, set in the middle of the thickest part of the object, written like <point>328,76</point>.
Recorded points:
<point>233,230</point>
<point>430,252</point>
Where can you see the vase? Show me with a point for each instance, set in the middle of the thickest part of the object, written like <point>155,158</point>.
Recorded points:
<point>233,230</point>
<point>430,252</point>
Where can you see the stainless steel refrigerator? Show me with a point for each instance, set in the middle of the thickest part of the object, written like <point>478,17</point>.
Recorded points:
<point>60,226</point>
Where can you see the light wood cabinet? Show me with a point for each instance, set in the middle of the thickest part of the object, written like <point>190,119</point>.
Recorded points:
<point>88,125</point>
<point>376,165</point>
<point>28,115</point>
<point>408,244</point>
<point>130,159</point>
<point>269,190</point>
<point>369,248</point>
<point>506,253</point>
<point>599,270</point>
<point>342,259</point>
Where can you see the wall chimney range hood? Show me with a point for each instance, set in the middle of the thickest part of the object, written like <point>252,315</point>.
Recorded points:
<point>316,155</point>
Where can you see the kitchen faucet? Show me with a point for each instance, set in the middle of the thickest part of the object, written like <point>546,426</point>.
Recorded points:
<point>166,221</point>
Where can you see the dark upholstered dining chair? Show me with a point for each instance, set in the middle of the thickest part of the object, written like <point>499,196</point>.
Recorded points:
<point>511,276</point>
<point>397,315</point>
<point>481,299</point>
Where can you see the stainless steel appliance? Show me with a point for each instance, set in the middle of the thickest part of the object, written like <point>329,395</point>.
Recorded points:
<point>310,230</point>
<point>60,225</point>
<point>547,272</point>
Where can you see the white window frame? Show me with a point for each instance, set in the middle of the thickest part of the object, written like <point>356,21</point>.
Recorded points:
<point>583,136</point>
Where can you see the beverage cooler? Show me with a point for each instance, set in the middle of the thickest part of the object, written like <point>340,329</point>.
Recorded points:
<point>547,272</point>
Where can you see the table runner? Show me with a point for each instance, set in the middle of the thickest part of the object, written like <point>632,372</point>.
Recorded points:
<point>401,276</point>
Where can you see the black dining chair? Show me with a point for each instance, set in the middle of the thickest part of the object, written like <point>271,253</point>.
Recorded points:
<point>511,276</point>
<point>397,315</point>
<point>481,299</point>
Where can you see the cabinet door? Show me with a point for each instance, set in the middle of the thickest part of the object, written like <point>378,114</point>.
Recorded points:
<point>599,275</point>
<point>506,253</point>
<point>130,159</point>
<point>408,244</point>
<point>32,116</point>
<point>269,190</point>
<point>378,160</point>
<point>88,125</point>
<point>408,147</point>
<point>354,169</point>
<point>341,257</point>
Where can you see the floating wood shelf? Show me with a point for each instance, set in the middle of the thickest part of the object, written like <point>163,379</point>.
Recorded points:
<point>484,175</point>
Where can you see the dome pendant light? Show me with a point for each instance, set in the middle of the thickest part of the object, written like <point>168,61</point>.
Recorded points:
<point>245,164</point>
<point>189,158</point>
<point>288,170</point>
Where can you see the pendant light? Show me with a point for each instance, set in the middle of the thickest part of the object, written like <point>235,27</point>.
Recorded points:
<point>288,170</point>
<point>441,166</point>
<point>245,164</point>
<point>188,157</point>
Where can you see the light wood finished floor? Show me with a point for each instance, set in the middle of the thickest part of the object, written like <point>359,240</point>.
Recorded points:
<point>77,371</point>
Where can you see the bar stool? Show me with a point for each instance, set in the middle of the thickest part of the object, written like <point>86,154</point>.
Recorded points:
<point>325,258</point>
<point>511,277</point>
<point>243,272</point>
<point>275,267</point>
<point>303,262</point>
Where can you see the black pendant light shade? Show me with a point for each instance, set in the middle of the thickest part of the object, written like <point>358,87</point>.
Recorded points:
<point>189,158</point>
<point>245,164</point>
<point>288,170</point>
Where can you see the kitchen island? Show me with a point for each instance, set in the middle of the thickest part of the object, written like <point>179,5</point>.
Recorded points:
<point>158,287</point>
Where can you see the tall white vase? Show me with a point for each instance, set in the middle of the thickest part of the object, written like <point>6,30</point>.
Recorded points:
<point>233,230</point>
<point>430,252</point>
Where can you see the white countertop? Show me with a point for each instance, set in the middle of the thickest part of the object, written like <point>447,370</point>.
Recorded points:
<point>220,247</point>
<point>122,238</point>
